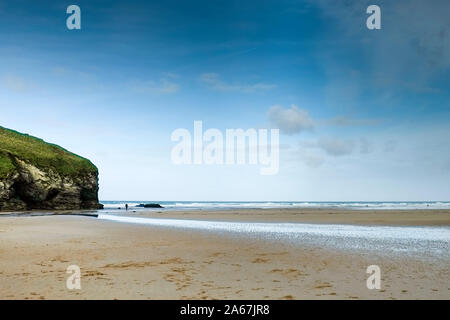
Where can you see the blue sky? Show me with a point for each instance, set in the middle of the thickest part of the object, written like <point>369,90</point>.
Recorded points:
<point>369,108</point>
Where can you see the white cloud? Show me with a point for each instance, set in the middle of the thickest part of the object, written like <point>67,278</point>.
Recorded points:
<point>213,81</point>
<point>390,145</point>
<point>312,160</point>
<point>336,146</point>
<point>290,121</point>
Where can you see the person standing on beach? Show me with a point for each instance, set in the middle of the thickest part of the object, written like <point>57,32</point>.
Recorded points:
<point>126,206</point>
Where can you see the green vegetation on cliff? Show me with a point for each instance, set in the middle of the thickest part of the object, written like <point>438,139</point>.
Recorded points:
<point>40,154</point>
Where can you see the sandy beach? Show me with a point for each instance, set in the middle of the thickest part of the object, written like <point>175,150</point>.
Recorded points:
<point>130,261</point>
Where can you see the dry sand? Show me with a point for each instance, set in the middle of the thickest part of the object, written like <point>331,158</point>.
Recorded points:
<point>126,261</point>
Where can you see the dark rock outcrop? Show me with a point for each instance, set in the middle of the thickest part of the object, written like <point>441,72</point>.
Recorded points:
<point>149,205</point>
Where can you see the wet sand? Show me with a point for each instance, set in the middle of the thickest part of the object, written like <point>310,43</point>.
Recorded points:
<point>337,216</point>
<point>128,261</point>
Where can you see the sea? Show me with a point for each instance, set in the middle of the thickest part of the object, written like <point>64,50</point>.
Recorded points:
<point>229,205</point>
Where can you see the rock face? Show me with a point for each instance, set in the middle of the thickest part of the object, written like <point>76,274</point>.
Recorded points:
<point>38,175</point>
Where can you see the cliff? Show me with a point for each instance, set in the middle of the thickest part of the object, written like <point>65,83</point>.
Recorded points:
<point>38,175</point>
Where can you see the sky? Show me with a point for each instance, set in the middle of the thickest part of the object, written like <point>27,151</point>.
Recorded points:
<point>363,114</point>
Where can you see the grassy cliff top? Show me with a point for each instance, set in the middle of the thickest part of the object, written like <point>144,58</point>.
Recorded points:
<point>39,153</point>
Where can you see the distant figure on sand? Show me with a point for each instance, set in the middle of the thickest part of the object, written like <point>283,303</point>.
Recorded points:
<point>126,206</point>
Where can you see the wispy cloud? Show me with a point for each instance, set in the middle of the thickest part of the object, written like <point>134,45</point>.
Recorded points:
<point>365,146</point>
<point>400,50</point>
<point>213,81</point>
<point>171,75</point>
<point>15,83</point>
<point>163,86</point>
<point>342,121</point>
